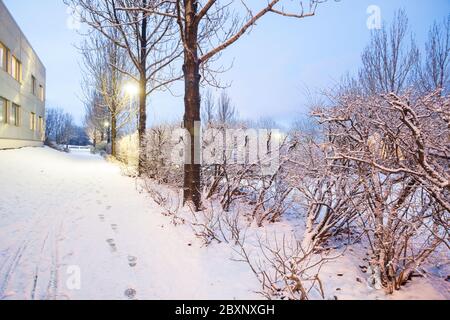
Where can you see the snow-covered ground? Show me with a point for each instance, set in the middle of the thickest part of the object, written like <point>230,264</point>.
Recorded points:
<point>72,227</point>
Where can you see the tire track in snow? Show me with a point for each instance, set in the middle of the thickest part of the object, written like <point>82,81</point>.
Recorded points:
<point>52,287</point>
<point>36,274</point>
<point>15,259</point>
<point>32,239</point>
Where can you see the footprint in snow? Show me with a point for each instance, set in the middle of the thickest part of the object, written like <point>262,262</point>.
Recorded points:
<point>132,261</point>
<point>130,293</point>
<point>115,228</point>
<point>101,217</point>
<point>112,245</point>
<point>108,207</point>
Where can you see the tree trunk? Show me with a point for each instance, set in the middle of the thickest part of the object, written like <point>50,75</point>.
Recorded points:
<point>143,95</point>
<point>142,126</point>
<point>113,135</point>
<point>191,69</point>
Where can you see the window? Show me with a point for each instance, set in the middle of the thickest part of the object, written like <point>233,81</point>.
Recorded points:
<point>3,57</point>
<point>33,121</point>
<point>41,93</point>
<point>33,85</point>
<point>16,69</point>
<point>15,115</point>
<point>3,110</point>
<point>41,124</point>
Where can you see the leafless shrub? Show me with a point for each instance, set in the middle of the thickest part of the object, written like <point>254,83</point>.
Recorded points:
<point>326,194</point>
<point>158,160</point>
<point>284,269</point>
<point>207,225</point>
<point>397,146</point>
<point>169,200</point>
<point>215,224</point>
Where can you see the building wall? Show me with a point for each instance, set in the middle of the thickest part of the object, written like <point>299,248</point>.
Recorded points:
<point>12,136</point>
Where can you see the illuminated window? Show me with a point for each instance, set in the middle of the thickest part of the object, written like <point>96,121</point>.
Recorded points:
<point>3,57</point>
<point>3,110</point>
<point>33,121</point>
<point>16,69</point>
<point>15,115</point>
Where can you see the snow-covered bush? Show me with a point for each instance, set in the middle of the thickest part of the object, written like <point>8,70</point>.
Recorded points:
<point>285,270</point>
<point>128,150</point>
<point>169,199</point>
<point>398,147</point>
<point>326,195</point>
<point>160,164</point>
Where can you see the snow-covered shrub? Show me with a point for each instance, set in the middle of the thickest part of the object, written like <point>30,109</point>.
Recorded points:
<point>127,150</point>
<point>265,192</point>
<point>160,164</point>
<point>169,199</point>
<point>326,196</point>
<point>285,270</point>
<point>397,147</point>
<point>214,224</point>
<point>272,196</point>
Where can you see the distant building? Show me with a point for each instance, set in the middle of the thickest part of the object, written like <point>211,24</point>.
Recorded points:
<point>22,87</point>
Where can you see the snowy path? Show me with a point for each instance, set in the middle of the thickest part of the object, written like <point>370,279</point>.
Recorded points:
<point>64,215</point>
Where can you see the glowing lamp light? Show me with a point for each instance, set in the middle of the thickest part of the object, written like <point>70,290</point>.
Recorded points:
<point>131,89</point>
<point>279,136</point>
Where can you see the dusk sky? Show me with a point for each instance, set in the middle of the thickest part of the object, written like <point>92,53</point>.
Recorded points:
<point>271,66</point>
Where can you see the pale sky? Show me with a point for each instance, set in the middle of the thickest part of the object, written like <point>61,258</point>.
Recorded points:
<point>271,66</point>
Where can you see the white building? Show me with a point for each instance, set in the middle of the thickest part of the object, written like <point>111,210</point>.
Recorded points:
<point>22,87</point>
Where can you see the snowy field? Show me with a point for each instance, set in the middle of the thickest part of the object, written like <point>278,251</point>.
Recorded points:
<point>72,227</point>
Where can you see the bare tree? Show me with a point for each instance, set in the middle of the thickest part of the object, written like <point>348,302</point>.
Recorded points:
<point>389,59</point>
<point>206,28</point>
<point>226,112</point>
<point>435,73</point>
<point>59,126</point>
<point>53,119</point>
<point>208,108</point>
<point>96,115</point>
<point>103,59</point>
<point>148,40</point>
